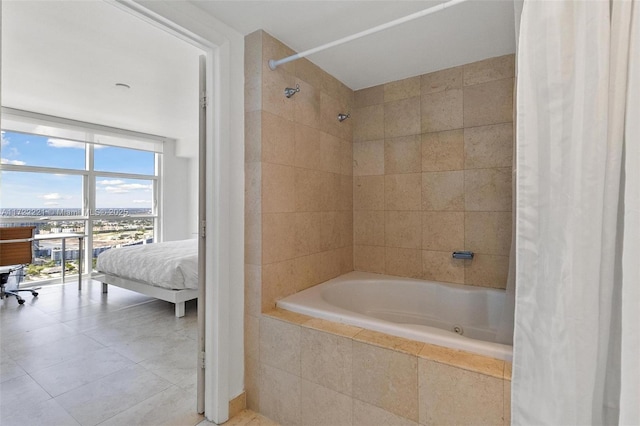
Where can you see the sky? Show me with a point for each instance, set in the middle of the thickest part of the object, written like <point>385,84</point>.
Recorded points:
<point>21,190</point>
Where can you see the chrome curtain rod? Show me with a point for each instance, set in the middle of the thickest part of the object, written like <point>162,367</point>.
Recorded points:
<point>273,64</point>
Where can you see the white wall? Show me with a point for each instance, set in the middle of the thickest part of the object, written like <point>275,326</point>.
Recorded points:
<point>179,217</point>
<point>225,184</point>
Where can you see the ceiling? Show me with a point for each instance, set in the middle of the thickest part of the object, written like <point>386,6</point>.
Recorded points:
<point>64,58</point>
<point>464,33</point>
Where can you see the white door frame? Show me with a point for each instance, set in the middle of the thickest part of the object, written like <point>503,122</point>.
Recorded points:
<point>219,201</point>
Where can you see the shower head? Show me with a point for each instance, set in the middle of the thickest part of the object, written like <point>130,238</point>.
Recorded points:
<point>342,117</point>
<point>290,91</point>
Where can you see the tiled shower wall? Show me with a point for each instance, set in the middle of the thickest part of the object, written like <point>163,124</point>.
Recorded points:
<point>299,186</point>
<point>432,172</point>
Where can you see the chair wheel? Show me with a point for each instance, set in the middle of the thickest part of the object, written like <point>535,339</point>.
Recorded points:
<point>20,301</point>
<point>35,294</point>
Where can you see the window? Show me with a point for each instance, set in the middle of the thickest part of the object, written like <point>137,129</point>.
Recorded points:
<point>59,184</point>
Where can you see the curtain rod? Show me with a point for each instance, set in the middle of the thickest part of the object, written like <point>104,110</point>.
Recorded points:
<point>273,64</point>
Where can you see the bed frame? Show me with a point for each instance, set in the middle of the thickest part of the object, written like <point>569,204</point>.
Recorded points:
<point>174,296</point>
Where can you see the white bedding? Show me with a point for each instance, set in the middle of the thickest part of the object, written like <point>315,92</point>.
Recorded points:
<point>172,264</point>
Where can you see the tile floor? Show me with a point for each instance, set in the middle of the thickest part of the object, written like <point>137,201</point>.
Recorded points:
<point>70,358</point>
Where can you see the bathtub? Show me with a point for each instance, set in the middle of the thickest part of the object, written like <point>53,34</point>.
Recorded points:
<point>456,316</point>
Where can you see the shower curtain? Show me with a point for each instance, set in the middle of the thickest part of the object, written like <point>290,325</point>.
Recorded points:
<point>577,316</point>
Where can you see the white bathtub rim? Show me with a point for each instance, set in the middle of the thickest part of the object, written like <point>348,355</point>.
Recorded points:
<point>435,336</point>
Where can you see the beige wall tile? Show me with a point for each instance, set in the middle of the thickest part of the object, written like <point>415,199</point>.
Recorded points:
<point>252,336</point>
<point>278,141</point>
<point>368,227</point>
<point>308,271</point>
<point>487,271</point>
<point>253,214</point>
<point>278,237</point>
<point>488,232</point>
<point>280,344</point>
<point>386,379</point>
<point>308,233</point>
<point>307,105</point>
<point>273,48</point>
<point>498,94</point>
<point>368,258</point>
<point>402,262</point>
<point>488,146</point>
<point>442,111</point>
<point>309,190</point>
<point>402,118</point>
<point>307,147</point>
<point>368,158</point>
<point>273,98</point>
<point>449,395</point>
<point>443,231</point>
<point>346,258</point>
<point>488,189</point>
<point>326,360</point>
<point>403,192</point>
<point>439,81</point>
<point>253,71</point>
<point>280,395</point>
<point>403,155</point>
<point>440,266</point>
<point>368,123</point>
<point>346,157</point>
<point>329,265</point>
<point>252,136</point>
<point>402,89</point>
<point>252,289</point>
<point>403,229</point>
<point>346,197</point>
<point>369,96</point>
<point>278,281</point>
<point>330,153</point>
<point>443,151</point>
<point>443,191</point>
<point>490,69</point>
<point>368,193</point>
<point>329,109</point>
<point>331,227</point>
<point>278,188</point>
<point>321,406</point>
<point>309,72</point>
<point>368,415</point>
<point>252,382</point>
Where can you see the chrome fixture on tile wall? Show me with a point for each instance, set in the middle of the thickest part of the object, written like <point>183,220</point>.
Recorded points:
<point>342,117</point>
<point>290,91</point>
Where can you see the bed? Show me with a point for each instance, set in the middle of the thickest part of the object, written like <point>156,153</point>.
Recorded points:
<point>166,271</point>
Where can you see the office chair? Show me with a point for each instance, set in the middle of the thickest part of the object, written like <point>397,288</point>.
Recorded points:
<point>16,251</point>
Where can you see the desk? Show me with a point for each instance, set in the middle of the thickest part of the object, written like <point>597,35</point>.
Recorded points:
<point>63,236</point>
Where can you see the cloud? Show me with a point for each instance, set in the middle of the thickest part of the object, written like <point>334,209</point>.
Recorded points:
<point>116,190</point>
<point>111,182</point>
<point>63,143</point>
<point>4,141</point>
<point>52,196</point>
<point>14,162</point>
<point>134,186</point>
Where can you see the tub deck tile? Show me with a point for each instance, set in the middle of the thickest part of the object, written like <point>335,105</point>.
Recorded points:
<point>287,316</point>
<point>339,329</point>
<point>464,360</point>
<point>410,347</point>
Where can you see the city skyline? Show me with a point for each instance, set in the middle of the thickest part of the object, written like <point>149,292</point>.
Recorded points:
<point>25,190</point>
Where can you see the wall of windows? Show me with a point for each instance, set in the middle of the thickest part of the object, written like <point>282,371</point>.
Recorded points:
<point>109,193</point>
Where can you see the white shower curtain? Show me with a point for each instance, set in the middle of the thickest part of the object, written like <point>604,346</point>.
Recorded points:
<point>577,321</point>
